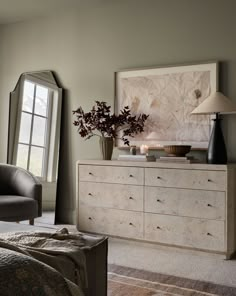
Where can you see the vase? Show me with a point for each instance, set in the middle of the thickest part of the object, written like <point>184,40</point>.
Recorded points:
<point>106,147</point>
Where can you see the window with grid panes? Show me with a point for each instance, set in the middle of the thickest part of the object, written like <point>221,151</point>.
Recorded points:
<point>33,141</point>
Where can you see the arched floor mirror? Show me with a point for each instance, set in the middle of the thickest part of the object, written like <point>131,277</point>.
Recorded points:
<point>34,132</point>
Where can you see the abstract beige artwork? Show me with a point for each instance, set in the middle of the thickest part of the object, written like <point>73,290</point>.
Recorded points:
<point>168,95</point>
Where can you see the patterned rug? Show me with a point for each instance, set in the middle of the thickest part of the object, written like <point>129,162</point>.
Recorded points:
<point>124,281</point>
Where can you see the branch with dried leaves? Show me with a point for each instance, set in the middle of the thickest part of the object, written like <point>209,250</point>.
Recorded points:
<point>108,124</point>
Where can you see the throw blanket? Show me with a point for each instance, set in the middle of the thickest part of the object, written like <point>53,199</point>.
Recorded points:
<point>47,263</point>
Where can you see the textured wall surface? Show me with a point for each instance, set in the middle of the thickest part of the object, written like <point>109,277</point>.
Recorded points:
<point>85,48</point>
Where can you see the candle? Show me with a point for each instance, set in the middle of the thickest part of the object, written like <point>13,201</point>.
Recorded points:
<point>143,149</point>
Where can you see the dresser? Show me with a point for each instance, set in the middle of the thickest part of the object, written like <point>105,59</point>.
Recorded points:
<point>190,206</point>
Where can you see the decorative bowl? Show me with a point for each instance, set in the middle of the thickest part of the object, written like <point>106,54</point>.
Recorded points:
<point>177,150</point>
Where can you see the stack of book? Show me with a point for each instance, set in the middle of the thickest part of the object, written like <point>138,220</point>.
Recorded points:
<point>140,157</point>
<point>178,159</point>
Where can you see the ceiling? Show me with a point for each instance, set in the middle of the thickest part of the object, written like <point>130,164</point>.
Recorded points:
<point>12,11</point>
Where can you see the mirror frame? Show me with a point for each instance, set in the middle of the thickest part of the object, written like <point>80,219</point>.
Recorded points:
<point>49,79</point>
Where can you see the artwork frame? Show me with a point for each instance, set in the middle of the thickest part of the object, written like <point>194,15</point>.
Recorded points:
<point>189,84</point>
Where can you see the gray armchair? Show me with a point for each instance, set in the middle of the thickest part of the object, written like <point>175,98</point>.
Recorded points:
<point>20,195</point>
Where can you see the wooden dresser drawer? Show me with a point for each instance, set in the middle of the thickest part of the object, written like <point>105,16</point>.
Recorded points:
<point>118,196</point>
<point>184,231</point>
<point>185,202</point>
<point>180,178</point>
<point>111,222</point>
<point>111,174</point>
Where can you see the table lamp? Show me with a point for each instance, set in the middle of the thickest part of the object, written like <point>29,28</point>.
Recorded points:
<point>216,104</point>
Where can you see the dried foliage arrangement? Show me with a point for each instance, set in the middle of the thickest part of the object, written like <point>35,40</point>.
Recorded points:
<point>100,121</point>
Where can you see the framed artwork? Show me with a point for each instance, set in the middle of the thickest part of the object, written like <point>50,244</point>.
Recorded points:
<point>168,95</point>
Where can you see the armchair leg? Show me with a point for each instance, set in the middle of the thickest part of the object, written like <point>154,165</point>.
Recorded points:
<point>31,221</point>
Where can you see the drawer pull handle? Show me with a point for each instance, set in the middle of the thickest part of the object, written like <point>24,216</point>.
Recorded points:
<point>209,205</point>
<point>158,200</point>
<point>131,175</point>
<point>158,177</point>
<point>90,218</point>
<point>158,227</point>
<point>208,233</point>
<point>130,223</point>
<point>90,173</point>
<point>130,197</point>
<point>209,180</point>
<point>90,194</point>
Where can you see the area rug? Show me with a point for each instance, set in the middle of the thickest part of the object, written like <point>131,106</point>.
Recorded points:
<point>124,281</point>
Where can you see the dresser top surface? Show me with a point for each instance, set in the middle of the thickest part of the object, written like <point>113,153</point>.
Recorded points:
<point>153,164</point>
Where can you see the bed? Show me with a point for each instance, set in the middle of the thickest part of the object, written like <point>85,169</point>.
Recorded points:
<point>49,262</point>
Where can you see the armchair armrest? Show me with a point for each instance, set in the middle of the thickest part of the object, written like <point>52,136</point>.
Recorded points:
<point>26,184</point>
<point>18,181</point>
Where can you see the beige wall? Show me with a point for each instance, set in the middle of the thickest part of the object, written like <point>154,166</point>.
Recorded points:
<point>85,47</point>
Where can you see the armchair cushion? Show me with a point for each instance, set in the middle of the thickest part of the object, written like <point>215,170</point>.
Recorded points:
<point>20,194</point>
<point>20,207</point>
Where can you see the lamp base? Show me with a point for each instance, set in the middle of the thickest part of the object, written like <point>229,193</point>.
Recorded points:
<point>216,153</point>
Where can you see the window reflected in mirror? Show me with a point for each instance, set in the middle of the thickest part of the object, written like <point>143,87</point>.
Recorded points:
<point>34,134</point>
